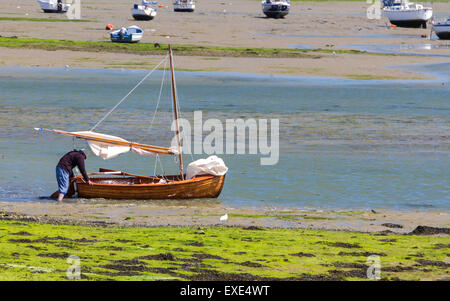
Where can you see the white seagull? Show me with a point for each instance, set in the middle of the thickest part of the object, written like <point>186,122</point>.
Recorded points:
<point>224,218</point>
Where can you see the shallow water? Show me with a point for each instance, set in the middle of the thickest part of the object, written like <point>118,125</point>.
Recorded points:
<point>360,35</point>
<point>403,48</point>
<point>344,144</point>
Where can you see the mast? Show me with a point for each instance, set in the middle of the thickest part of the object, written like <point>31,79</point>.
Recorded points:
<point>175,113</point>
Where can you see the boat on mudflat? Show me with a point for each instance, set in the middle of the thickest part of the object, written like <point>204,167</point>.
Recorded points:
<point>442,29</point>
<point>276,8</point>
<point>144,11</point>
<point>131,34</point>
<point>53,6</point>
<point>204,178</point>
<point>184,6</point>
<point>403,13</point>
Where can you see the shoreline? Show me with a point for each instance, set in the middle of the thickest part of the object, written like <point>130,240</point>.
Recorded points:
<point>413,68</point>
<point>207,215</point>
<point>397,72</point>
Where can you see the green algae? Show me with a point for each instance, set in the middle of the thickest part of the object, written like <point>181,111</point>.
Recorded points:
<point>33,251</point>
<point>159,49</point>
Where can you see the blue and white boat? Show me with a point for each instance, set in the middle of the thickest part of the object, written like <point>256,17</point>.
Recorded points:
<point>53,6</point>
<point>442,29</point>
<point>132,34</point>
<point>276,8</point>
<point>144,11</point>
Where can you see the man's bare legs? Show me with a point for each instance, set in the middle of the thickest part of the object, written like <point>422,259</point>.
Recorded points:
<point>60,197</point>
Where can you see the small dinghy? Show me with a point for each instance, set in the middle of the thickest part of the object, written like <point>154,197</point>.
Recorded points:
<point>144,11</point>
<point>442,29</point>
<point>184,5</point>
<point>53,6</point>
<point>132,34</point>
<point>276,8</point>
<point>403,13</point>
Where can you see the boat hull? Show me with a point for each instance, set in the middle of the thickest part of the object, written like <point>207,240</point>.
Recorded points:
<point>276,15</point>
<point>132,38</point>
<point>442,31</point>
<point>118,40</point>
<point>142,13</point>
<point>104,187</point>
<point>275,9</point>
<point>409,23</point>
<point>54,11</point>
<point>444,35</point>
<point>186,10</point>
<point>143,17</point>
<point>413,18</point>
<point>184,6</point>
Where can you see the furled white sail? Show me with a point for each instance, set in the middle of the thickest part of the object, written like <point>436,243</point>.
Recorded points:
<point>213,165</point>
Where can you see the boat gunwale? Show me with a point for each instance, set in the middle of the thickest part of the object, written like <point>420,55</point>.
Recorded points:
<point>195,179</point>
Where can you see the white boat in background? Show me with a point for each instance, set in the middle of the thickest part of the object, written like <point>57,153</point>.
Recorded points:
<point>144,11</point>
<point>276,8</point>
<point>132,34</point>
<point>184,5</point>
<point>403,13</point>
<point>442,29</point>
<point>53,6</point>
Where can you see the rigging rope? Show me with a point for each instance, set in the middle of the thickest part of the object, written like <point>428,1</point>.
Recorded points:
<point>128,94</point>
<point>160,92</point>
<point>156,162</point>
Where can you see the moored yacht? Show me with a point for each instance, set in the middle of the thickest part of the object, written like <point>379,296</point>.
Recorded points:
<point>276,8</point>
<point>403,13</point>
<point>53,6</point>
<point>184,5</point>
<point>144,11</point>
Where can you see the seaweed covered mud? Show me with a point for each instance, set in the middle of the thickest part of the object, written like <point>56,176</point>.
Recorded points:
<point>190,243</point>
<point>34,251</point>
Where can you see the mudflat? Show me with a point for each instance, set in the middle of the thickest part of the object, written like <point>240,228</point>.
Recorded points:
<point>325,28</point>
<point>205,213</point>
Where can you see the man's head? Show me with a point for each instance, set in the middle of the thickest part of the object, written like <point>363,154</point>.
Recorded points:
<point>84,153</point>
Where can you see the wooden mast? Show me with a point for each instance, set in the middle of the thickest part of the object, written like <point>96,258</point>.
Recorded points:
<point>175,113</point>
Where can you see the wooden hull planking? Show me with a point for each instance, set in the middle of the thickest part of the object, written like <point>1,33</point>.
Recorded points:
<point>147,188</point>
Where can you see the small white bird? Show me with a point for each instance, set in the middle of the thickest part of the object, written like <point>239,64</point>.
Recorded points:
<point>224,218</point>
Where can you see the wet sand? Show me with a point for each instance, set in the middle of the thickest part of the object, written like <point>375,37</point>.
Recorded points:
<point>327,25</point>
<point>203,213</point>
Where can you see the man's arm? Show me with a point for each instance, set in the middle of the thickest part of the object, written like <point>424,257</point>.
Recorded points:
<point>80,164</point>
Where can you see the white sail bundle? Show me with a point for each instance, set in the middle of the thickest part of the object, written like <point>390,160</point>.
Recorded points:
<point>212,165</point>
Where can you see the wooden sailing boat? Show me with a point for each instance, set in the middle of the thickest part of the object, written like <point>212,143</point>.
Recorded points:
<point>112,184</point>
